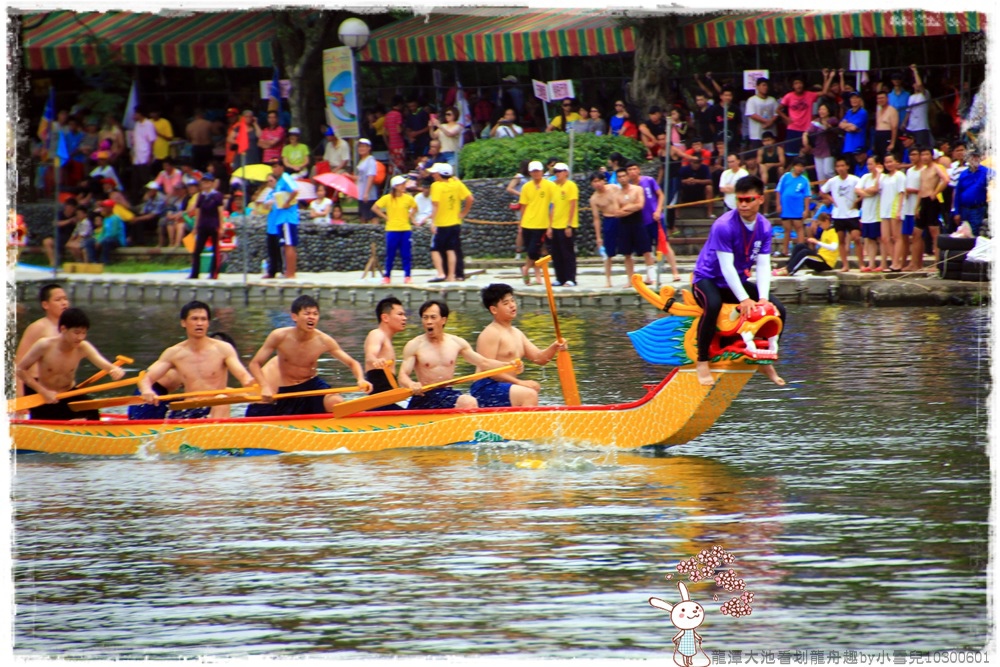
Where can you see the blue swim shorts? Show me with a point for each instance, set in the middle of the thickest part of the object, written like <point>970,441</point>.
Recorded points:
<point>909,224</point>
<point>192,413</point>
<point>490,393</point>
<point>439,399</point>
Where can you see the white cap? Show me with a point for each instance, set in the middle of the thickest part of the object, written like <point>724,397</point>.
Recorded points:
<point>510,78</point>
<point>442,168</point>
<point>397,180</point>
<point>364,141</point>
<point>536,166</point>
<point>294,130</point>
<point>560,166</point>
<point>152,185</point>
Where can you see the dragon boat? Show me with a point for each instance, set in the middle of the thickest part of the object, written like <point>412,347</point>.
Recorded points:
<point>672,412</point>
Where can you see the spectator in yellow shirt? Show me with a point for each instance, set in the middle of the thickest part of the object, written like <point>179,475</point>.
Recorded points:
<point>164,135</point>
<point>451,201</point>
<point>397,209</point>
<point>567,115</point>
<point>537,197</point>
<point>565,221</point>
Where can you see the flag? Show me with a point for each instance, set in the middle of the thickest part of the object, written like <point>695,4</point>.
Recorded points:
<point>62,150</point>
<point>128,120</point>
<point>242,137</point>
<point>48,117</point>
<point>274,93</point>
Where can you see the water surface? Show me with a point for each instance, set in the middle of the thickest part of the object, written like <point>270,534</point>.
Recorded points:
<point>856,501</point>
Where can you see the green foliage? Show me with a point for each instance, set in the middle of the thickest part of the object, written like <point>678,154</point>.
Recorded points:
<point>108,80</point>
<point>495,158</point>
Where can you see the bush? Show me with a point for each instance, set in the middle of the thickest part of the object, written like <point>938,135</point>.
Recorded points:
<point>495,158</point>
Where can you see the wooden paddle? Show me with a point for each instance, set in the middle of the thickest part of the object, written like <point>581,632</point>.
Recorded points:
<point>384,398</point>
<point>100,403</point>
<point>564,364</point>
<point>120,360</point>
<point>36,400</point>
<point>254,398</point>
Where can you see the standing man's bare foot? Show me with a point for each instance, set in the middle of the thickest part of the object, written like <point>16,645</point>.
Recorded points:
<point>705,373</point>
<point>772,374</point>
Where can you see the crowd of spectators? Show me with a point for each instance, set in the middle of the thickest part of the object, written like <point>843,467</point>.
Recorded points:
<point>154,175</point>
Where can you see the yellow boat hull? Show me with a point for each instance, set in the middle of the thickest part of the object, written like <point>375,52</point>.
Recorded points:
<point>676,411</point>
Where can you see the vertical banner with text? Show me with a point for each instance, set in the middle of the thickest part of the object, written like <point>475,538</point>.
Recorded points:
<point>339,91</point>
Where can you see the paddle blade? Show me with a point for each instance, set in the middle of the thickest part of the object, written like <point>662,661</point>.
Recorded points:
<point>567,378</point>
<point>25,403</point>
<point>379,400</point>
<point>35,400</point>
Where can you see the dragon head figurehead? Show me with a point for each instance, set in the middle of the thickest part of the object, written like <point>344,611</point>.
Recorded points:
<point>673,341</point>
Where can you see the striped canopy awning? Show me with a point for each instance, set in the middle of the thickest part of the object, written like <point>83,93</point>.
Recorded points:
<point>788,27</point>
<point>64,39</point>
<point>482,36</point>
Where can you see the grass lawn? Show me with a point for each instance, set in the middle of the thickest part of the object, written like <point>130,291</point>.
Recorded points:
<point>122,265</point>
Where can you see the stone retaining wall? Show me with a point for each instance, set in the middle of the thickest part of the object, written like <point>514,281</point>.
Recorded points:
<point>348,247</point>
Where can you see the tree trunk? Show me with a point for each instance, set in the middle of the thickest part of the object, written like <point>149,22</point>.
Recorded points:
<point>653,63</point>
<point>298,44</point>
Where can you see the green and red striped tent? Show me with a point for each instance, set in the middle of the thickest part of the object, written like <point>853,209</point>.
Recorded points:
<point>482,36</point>
<point>788,27</point>
<point>64,39</point>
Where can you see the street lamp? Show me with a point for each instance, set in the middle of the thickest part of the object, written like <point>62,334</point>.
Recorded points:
<point>354,33</point>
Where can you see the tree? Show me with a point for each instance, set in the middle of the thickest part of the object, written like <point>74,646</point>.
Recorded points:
<point>300,37</point>
<point>654,65</point>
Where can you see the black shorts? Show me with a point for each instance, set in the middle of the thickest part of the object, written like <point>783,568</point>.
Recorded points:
<point>60,411</point>
<point>632,237</point>
<point>305,405</point>
<point>847,225</point>
<point>534,242</point>
<point>447,238</point>
<point>930,209</point>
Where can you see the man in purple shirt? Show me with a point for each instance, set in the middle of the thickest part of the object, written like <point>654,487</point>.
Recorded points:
<point>208,218</point>
<point>738,240</point>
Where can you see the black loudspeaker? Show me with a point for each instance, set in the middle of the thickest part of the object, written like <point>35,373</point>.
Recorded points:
<point>978,272</point>
<point>953,252</point>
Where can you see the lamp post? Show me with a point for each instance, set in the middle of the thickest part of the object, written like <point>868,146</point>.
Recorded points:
<point>354,33</point>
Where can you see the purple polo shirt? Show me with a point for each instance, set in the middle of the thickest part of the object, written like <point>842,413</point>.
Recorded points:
<point>209,203</point>
<point>650,188</point>
<point>729,234</point>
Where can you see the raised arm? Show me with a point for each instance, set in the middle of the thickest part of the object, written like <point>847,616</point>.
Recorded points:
<point>477,359</point>
<point>827,80</point>
<point>95,357</point>
<point>540,357</point>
